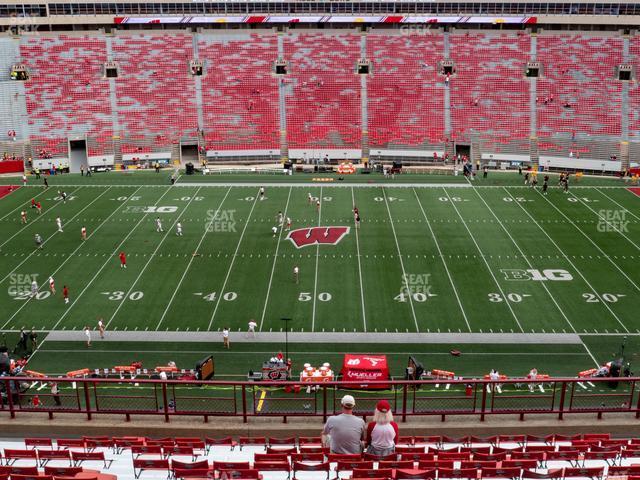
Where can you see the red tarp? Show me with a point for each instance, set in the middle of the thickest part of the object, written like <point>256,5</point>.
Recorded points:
<point>363,367</point>
<point>11,166</point>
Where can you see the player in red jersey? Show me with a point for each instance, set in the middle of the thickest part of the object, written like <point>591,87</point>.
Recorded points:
<point>123,260</point>
<point>65,294</point>
<point>39,207</point>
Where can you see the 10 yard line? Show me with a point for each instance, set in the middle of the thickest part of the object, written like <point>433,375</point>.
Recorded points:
<point>364,315</point>
<point>151,257</point>
<point>107,261</point>
<point>393,229</point>
<point>473,239</point>
<point>444,263</point>
<point>275,259</point>
<point>233,260</point>
<point>184,274</point>
<point>618,204</point>
<point>315,284</point>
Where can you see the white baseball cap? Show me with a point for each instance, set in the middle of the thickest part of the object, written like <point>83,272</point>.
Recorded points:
<point>348,401</point>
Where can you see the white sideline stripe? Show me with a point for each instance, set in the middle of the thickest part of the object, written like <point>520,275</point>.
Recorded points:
<point>444,263</point>
<point>275,259</point>
<point>326,184</point>
<point>151,257</point>
<point>364,315</point>
<point>109,259</point>
<point>592,242</point>
<point>315,282</point>
<point>526,259</point>
<point>19,206</point>
<point>184,274</point>
<point>36,219</point>
<point>50,237</point>
<point>73,253</point>
<point>566,257</point>
<point>621,206</point>
<point>404,272</point>
<point>330,337</point>
<point>506,299</point>
<point>233,260</point>
<point>270,352</point>
<point>616,228</point>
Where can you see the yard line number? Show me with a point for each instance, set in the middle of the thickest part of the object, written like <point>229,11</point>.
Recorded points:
<point>119,295</point>
<point>213,296</point>
<point>307,297</point>
<point>512,297</point>
<point>607,297</point>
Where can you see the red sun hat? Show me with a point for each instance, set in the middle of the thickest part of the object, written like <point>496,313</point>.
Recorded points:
<point>383,406</point>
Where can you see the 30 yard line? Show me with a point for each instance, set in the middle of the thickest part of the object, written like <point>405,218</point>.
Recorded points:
<point>34,221</point>
<point>473,239</point>
<point>233,260</point>
<point>364,315</point>
<point>404,272</point>
<point>590,240</point>
<point>275,259</point>
<point>566,257</point>
<point>50,237</point>
<point>184,274</point>
<point>543,284</point>
<point>444,263</point>
<point>107,261</point>
<point>151,257</point>
<point>621,206</point>
<point>315,283</point>
<point>70,256</point>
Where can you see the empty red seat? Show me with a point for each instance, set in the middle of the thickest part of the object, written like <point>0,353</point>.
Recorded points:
<point>142,464</point>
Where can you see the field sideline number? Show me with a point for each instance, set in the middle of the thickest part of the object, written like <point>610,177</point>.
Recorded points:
<point>417,297</point>
<point>607,297</point>
<point>306,297</point>
<point>135,198</point>
<point>119,295</point>
<point>39,296</point>
<point>577,199</point>
<point>228,296</point>
<point>517,199</point>
<point>453,199</point>
<point>512,297</point>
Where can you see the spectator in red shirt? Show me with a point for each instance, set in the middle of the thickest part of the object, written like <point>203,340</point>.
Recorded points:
<point>123,260</point>
<point>382,431</point>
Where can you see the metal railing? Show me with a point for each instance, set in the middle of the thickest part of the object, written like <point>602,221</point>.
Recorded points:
<point>441,397</point>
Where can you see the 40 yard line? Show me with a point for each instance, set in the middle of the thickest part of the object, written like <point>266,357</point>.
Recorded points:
<point>404,272</point>
<point>109,259</point>
<point>21,206</point>
<point>364,315</point>
<point>184,274</point>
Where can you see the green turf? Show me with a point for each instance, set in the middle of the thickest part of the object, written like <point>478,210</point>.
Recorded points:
<point>453,244</point>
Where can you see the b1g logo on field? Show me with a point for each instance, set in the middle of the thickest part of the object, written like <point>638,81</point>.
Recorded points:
<point>303,237</point>
<point>537,275</point>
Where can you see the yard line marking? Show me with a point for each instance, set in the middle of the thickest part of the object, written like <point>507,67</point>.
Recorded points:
<point>49,238</point>
<point>37,218</point>
<point>233,260</point>
<point>591,354</point>
<point>592,242</point>
<point>605,304</point>
<point>20,206</point>
<point>184,274</point>
<point>315,283</point>
<point>107,262</point>
<point>615,227</point>
<point>404,272</point>
<point>166,235</point>
<point>364,315</point>
<point>484,259</point>
<point>543,284</point>
<point>621,206</point>
<point>275,259</point>
<point>433,235</point>
<point>73,253</point>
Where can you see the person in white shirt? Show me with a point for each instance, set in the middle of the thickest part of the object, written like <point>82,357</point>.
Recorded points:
<point>101,327</point>
<point>296,272</point>
<point>59,224</point>
<point>34,288</point>
<point>87,333</point>
<point>261,193</point>
<point>23,217</point>
<point>52,286</point>
<point>288,224</point>
<point>83,233</point>
<point>252,328</point>
<point>158,225</point>
<point>179,229</point>
<point>225,338</point>
<point>274,230</point>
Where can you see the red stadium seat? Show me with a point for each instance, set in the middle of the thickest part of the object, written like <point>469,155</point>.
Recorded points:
<point>512,472</point>
<point>260,441</point>
<point>215,442</point>
<point>404,464</point>
<point>142,464</point>
<point>311,467</point>
<point>370,473</point>
<point>62,471</point>
<point>45,456</point>
<point>350,465</point>
<point>308,457</point>
<point>80,457</point>
<point>13,454</point>
<point>414,474</point>
<point>38,442</point>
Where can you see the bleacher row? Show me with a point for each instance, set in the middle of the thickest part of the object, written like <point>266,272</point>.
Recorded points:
<point>155,97</point>
<point>595,456</point>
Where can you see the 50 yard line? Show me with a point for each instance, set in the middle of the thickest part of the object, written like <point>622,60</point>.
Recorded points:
<point>315,283</point>
<point>404,272</point>
<point>364,315</point>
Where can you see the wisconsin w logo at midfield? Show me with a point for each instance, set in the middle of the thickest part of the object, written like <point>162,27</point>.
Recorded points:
<point>303,237</point>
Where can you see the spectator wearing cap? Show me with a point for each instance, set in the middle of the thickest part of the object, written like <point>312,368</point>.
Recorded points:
<point>344,433</point>
<point>382,431</point>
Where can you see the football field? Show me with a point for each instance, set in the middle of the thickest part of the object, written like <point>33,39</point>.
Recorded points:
<point>433,258</point>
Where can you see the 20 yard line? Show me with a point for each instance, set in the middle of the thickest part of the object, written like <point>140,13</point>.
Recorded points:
<point>151,257</point>
<point>109,259</point>
<point>233,260</point>
<point>184,274</point>
<point>473,239</point>
<point>404,272</point>
<point>315,283</point>
<point>566,257</point>
<point>364,315</point>
<point>444,263</point>
<point>275,259</point>
<point>70,256</point>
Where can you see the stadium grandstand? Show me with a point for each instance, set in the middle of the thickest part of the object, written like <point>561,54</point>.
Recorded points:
<point>238,236</point>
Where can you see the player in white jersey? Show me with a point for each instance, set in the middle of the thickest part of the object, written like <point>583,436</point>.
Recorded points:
<point>52,285</point>
<point>158,225</point>
<point>274,230</point>
<point>101,327</point>
<point>261,193</point>
<point>179,229</point>
<point>83,233</point>
<point>59,224</point>
<point>34,288</point>
<point>296,272</point>
<point>288,224</point>
<point>309,198</point>
<point>280,218</point>
<point>23,217</point>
